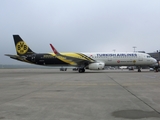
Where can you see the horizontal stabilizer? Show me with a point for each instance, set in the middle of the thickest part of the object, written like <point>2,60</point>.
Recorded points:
<point>15,56</point>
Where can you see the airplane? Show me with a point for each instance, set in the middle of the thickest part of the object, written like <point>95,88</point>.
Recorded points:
<point>83,61</point>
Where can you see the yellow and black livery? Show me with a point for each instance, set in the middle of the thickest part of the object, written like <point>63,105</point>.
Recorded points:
<point>25,54</point>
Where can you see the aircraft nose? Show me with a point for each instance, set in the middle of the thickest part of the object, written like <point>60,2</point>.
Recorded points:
<point>154,61</point>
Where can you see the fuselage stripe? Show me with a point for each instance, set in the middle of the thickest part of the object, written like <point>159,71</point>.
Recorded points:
<point>86,57</point>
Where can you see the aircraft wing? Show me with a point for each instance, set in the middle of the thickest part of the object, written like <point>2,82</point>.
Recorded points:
<point>81,60</point>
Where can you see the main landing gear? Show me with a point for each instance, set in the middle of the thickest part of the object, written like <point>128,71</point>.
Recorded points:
<point>139,69</point>
<point>63,69</point>
<point>81,70</point>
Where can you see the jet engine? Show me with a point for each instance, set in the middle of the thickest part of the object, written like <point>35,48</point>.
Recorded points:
<point>96,66</point>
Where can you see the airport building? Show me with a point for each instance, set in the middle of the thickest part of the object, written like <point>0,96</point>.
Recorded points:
<point>155,55</point>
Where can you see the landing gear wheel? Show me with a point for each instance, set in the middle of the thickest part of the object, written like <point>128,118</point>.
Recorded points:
<point>139,70</point>
<point>156,69</point>
<point>81,70</point>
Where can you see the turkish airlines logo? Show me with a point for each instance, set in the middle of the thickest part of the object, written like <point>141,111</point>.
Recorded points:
<point>118,61</point>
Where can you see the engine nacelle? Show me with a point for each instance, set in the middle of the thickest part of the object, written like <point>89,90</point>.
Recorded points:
<point>96,66</point>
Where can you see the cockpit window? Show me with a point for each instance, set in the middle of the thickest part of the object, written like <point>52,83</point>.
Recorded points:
<point>148,56</point>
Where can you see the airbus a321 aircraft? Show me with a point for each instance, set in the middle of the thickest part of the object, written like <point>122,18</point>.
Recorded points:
<point>91,61</point>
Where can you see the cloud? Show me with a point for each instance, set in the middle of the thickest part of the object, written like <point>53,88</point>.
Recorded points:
<point>80,25</point>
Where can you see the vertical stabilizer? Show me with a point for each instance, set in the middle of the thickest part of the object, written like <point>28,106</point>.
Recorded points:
<point>21,47</point>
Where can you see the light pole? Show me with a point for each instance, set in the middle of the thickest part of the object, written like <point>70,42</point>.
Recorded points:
<point>134,47</point>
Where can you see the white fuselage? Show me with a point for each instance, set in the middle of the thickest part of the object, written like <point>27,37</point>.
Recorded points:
<point>122,58</point>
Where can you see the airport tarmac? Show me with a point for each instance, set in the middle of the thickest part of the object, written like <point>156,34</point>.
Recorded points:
<point>50,94</point>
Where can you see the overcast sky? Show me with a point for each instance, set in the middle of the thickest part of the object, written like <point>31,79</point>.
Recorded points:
<point>80,25</point>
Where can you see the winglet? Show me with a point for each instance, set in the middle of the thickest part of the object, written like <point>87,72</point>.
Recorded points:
<point>54,50</point>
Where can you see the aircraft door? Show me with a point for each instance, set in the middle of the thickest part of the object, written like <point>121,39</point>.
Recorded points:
<point>140,58</point>
<point>33,58</point>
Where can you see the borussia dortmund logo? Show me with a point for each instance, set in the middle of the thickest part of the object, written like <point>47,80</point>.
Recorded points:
<point>21,47</point>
